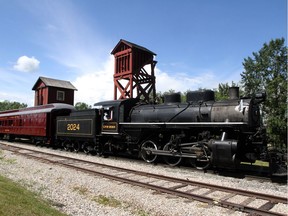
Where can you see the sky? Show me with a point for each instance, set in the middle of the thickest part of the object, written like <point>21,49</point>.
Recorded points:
<point>199,43</point>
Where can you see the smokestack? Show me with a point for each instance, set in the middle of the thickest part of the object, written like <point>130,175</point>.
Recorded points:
<point>234,93</point>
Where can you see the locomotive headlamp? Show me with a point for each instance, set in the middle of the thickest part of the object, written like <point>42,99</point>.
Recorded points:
<point>260,97</point>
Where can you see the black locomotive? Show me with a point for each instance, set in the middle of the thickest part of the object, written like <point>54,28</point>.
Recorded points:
<point>205,132</point>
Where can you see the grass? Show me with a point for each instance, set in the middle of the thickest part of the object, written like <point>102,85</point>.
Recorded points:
<point>6,160</point>
<point>16,200</point>
<point>257,163</point>
<point>81,190</point>
<point>114,203</point>
<point>107,201</point>
<point>141,213</point>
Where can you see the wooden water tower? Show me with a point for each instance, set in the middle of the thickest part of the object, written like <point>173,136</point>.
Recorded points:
<point>131,79</point>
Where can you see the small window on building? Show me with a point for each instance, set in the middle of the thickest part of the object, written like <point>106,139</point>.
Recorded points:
<point>60,95</point>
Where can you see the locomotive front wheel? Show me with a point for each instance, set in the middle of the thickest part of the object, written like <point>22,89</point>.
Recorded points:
<point>202,162</point>
<point>172,160</point>
<point>146,151</point>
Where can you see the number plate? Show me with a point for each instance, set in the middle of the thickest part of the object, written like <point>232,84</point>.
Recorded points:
<point>75,126</point>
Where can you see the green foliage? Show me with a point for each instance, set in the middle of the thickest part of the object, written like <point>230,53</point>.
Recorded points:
<point>81,190</point>
<point>5,160</point>
<point>82,106</point>
<point>267,71</point>
<point>107,201</point>
<point>160,95</point>
<point>222,92</point>
<point>7,105</point>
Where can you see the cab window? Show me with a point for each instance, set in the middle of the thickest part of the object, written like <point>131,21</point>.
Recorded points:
<point>108,114</point>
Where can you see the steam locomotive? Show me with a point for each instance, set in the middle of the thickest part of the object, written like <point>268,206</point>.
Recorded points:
<point>202,131</point>
<point>205,132</point>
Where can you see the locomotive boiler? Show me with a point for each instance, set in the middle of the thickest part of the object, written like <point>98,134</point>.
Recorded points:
<point>203,131</point>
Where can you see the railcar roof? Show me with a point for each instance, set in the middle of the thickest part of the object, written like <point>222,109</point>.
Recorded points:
<point>37,109</point>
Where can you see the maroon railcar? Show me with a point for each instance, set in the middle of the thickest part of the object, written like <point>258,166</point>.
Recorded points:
<point>36,123</point>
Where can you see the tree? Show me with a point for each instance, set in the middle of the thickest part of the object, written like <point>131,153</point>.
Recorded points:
<point>222,92</point>
<point>160,96</point>
<point>82,106</point>
<point>7,105</point>
<point>267,71</point>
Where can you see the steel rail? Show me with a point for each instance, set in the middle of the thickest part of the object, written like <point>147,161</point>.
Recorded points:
<point>272,200</point>
<point>182,181</point>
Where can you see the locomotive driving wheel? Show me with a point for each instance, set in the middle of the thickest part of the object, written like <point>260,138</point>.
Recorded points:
<point>76,146</point>
<point>174,159</point>
<point>67,146</point>
<point>202,161</point>
<point>146,151</point>
<point>85,148</point>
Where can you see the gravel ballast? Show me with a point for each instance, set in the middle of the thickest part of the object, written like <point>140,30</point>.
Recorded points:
<point>76,193</point>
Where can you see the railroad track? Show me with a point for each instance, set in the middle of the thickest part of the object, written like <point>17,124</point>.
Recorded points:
<point>207,193</point>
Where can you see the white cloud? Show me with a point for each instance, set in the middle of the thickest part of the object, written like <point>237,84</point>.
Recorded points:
<point>72,42</point>
<point>183,81</point>
<point>97,85</point>
<point>17,86</point>
<point>68,38</point>
<point>26,64</point>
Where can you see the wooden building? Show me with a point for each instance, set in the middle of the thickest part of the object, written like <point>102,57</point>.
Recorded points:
<point>49,90</point>
<point>131,79</point>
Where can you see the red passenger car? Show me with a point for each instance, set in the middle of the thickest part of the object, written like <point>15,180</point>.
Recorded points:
<point>36,123</point>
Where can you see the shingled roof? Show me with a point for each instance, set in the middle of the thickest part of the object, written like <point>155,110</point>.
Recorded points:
<point>132,45</point>
<point>54,83</point>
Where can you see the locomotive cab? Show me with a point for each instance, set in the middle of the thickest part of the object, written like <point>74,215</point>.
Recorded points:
<point>111,137</point>
<point>109,120</point>
<point>114,112</point>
